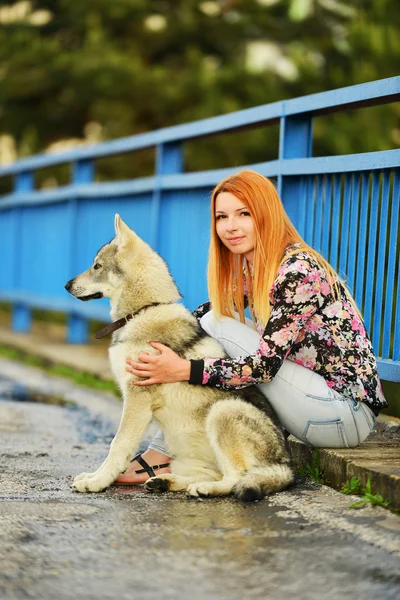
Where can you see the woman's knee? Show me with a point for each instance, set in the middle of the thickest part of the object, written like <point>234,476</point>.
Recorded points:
<point>237,338</point>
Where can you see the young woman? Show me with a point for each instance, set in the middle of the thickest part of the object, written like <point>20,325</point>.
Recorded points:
<point>306,345</point>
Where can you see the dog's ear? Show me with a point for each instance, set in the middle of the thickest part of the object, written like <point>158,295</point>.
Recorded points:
<point>124,236</point>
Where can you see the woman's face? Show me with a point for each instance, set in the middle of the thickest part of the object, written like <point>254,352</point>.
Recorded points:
<point>234,225</point>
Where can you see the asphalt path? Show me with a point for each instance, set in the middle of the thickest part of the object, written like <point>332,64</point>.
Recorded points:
<point>304,543</point>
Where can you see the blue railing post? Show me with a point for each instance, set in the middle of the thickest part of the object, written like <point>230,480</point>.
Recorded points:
<point>169,160</point>
<point>83,172</point>
<point>21,316</point>
<point>295,141</point>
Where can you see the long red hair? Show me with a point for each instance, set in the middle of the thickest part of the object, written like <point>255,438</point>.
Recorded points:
<point>274,232</point>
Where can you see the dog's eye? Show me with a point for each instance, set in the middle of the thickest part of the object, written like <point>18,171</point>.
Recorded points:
<point>97,266</point>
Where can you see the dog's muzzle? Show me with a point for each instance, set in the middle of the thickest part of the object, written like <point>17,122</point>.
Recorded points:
<point>95,296</point>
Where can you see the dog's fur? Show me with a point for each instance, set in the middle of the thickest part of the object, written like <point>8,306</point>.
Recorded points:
<point>221,441</point>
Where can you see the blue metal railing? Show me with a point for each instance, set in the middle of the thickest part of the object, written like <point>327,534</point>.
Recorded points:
<point>347,207</point>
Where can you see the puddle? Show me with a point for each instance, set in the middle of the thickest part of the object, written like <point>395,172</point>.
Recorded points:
<point>91,428</point>
<point>11,390</point>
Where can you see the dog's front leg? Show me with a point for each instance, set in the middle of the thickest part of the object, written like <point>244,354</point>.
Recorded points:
<point>136,417</point>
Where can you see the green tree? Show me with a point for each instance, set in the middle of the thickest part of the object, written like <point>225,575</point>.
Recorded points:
<point>101,70</point>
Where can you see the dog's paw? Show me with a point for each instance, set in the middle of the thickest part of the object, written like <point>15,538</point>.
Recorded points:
<point>200,489</point>
<point>157,484</point>
<point>89,484</point>
<point>83,476</point>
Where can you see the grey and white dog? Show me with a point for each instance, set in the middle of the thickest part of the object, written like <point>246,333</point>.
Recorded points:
<point>221,442</point>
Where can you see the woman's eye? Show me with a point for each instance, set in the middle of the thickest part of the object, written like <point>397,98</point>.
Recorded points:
<point>245,213</point>
<point>97,266</point>
<point>218,217</point>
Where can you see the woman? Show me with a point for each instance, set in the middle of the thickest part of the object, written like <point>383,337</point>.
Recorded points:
<point>306,345</point>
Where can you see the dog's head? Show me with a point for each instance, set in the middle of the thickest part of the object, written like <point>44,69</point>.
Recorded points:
<point>111,266</point>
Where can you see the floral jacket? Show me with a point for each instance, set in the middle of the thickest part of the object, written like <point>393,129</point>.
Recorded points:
<point>306,325</point>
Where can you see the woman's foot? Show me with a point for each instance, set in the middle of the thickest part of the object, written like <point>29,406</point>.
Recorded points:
<point>153,458</point>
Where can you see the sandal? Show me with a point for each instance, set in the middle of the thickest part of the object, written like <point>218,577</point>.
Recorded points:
<point>146,468</point>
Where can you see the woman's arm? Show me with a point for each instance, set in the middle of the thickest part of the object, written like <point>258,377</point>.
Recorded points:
<point>297,297</point>
<point>167,366</point>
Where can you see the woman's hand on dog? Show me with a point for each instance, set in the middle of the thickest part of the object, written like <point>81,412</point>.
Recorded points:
<point>166,367</point>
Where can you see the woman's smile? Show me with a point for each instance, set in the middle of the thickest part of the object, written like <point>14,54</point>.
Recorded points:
<point>235,240</point>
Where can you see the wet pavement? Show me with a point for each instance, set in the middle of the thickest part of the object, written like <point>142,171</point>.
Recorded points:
<point>303,543</point>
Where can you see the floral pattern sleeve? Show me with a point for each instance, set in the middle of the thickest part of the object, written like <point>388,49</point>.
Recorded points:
<point>297,294</point>
<point>201,310</point>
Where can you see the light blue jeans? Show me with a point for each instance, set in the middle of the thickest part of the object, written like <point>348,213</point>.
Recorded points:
<point>305,405</point>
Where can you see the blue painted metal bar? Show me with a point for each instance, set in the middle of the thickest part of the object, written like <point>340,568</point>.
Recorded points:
<point>169,160</point>
<point>396,299</point>
<point>365,94</point>
<point>334,252</point>
<point>380,271</point>
<point>344,247</point>
<point>296,138</point>
<point>317,238</point>
<point>326,227</point>
<point>349,163</point>
<point>310,216</point>
<point>373,227</point>
<point>78,327</point>
<point>155,208</point>
<point>390,271</point>
<point>82,172</point>
<point>367,161</point>
<point>292,167</point>
<point>118,189</point>
<point>21,315</point>
<point>295,141</point>
<point>302,208</point>
<point>352,253</point>
<point>360,270</point>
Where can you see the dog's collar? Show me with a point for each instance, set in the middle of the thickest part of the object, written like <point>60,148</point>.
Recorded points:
<point>121,322</point>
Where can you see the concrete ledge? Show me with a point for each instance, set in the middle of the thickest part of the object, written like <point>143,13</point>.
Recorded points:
<point>378,458</point>
<point>47,341</point>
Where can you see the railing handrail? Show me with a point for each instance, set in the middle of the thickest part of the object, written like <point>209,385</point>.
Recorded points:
<point>285,166</point>
<point>356,96</point>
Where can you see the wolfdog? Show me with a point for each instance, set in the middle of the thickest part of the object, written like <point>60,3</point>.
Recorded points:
<point>222,442</point>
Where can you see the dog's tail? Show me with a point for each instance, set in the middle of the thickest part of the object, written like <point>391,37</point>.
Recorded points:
<point>261,481</point>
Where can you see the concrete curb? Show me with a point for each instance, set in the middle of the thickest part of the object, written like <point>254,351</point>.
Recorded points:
<point>377,458</point>
<point>47,343</point>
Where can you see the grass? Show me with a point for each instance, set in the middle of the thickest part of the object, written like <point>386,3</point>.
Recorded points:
<point>314,471</point>
<point>353,487</point>
<point>79,377</point>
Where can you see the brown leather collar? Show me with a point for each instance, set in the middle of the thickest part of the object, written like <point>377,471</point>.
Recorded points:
<point>121,322</point>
